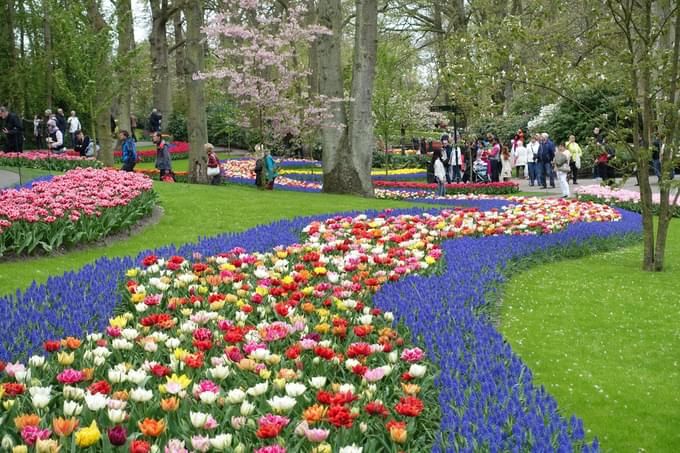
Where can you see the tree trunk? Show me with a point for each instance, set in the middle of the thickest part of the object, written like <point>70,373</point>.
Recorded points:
<point>665,215</point>
<point>196,120</point>
<point>126,45</point>
<point>49,57</point>
<point>8,86</point>
<point>362,140</point>
<point>158,45</point>
<point>347,158</point>
<point>179,47</point>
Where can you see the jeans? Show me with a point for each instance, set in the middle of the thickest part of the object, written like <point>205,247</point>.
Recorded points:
<point>533,174</point>
<point>454,173</point>
<point>545,172</point>
<point>656,164</point>
<point>441,189</point>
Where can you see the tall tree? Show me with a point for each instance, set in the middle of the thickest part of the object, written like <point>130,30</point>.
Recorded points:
<point>348,150</point>
<point>197,123</point>
<point>124,61</point>
<point>651,67</point>
<point>161,13</point>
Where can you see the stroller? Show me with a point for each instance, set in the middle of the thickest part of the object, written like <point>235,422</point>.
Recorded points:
<point>480,171</point>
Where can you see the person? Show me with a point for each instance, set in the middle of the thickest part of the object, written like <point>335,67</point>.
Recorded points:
<point>13,131</point>
<point>270,169</point>
<point>129,151</point>
<point>61,121</point>
<point>439,172</point>
<point>506,164</point>
<point>561,162</point>
<point>519,156</point>
<point>259,167</point>
<point>82,144</point>
<point>575,153</point>
<point>213,163</point>
<point>546,154</point>
<point>495,159</point>
<point>155,120</point>
<point>162,155</point>
<point>38,132</point>
<point>55,139</point>
<point>133,126</point>
<point>532,160</point>
<point>656,157</point>
<point>455,162</point>
<point>73,127</point>
<point>446,157</point>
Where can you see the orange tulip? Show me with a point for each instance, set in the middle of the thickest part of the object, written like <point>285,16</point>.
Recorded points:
<point>314,413</point>
<point>152,428</point>
<point>88,374</point>
<point>26,420</point>
<point>121,395</point>
<point>71,343</point>
<point>169,404</point>
<point>398,434</point>
<point>64,426</point>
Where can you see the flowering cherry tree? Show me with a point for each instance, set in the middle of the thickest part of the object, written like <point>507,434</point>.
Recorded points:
<point>259,49</point>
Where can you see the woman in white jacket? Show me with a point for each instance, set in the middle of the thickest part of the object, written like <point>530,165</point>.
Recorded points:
<point>519,156</point>
<point>439,172</point>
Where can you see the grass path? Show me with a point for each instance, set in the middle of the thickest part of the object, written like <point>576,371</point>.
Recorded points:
<point>604,339</point>
<point>191,211</point>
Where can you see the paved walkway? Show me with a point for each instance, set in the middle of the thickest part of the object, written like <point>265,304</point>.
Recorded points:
<point>629,185</point>
<point>8,179</point>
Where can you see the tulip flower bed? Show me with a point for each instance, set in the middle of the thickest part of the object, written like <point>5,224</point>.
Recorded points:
<point>178,150</point>
<point>625,199</point>
<point>47,161</point>
<point>493,188</point>
<point>80,206</point>
<point>279,348</point>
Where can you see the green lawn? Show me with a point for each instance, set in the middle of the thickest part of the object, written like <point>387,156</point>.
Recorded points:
<point>604,339</point>
<point>191,211</point>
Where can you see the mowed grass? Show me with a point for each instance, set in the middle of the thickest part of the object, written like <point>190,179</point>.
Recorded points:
<point>191,211</point>
<point>604,339</point>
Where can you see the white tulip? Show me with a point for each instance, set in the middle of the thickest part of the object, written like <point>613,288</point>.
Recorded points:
<point>318,381</point>
<point>117,415</point>
<point>282,403</point>
<point>141,395</point>
<point>220,372</point>
<point>198,419</point>
<point>235,396</point>
<point>116,376</point>
<point>96,402</point>
<point>258,389</point>
<point>208,397</point>
<point>71,408</point>
<point>417,370</point>
<point>136,376</point>
<point>351,449</point>
<point>247,408</point>
<point>295,389</point>
<point>221,442</point>
<point>36,361</point>
<point>73,393</point>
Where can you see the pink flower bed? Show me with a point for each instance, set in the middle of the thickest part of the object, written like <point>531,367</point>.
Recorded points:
<point>613,194</point>
<point>97,200</point>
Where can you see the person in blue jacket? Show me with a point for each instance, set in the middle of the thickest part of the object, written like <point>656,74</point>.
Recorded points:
<point>129,151</point>
<point>546,154</point>
<point>270,169</point>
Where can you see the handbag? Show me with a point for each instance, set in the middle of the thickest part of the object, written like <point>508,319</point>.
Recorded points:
<point>213,171</point>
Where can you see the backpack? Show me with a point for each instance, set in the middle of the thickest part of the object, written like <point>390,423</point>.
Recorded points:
<point>258,165</point>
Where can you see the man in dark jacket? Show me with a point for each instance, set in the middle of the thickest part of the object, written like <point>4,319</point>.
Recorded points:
<point>61,122</point>
<point>13,131</point>
<point>546,154</point>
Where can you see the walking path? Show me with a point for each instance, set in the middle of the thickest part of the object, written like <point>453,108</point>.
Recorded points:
<point>8,179</point>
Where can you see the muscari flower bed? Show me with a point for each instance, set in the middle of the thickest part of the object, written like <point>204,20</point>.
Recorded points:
<point>484,407</point>
<point>47,161</point>
<point>80,206</point>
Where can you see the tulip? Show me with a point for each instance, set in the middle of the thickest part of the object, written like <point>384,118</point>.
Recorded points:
<point>117,435</point>
<point>86,437</point>
<point>64,426</point>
